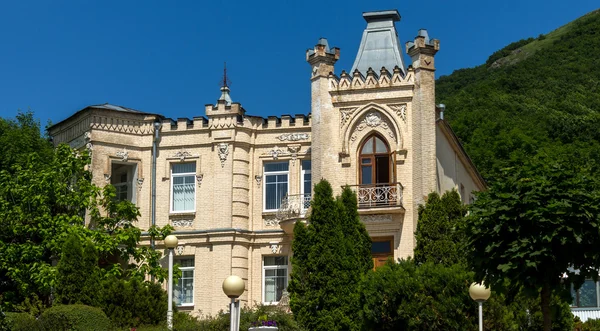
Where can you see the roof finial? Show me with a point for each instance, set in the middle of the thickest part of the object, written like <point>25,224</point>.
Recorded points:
<point>226,82</point>
<point>225,87</point>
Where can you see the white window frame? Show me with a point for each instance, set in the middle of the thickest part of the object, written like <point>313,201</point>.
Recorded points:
<point>183,174</point>
<point>264,181</point>
<point>193,269</point>
<point>274,267</point>
<point>130,184</point>
<point>302,173</point>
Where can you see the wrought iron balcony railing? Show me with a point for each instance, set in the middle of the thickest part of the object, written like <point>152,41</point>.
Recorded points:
<point>378,195</point>
<point>293,206</point>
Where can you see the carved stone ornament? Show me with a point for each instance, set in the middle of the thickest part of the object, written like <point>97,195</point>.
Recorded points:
<point>345,115</point>
<point>271,222</point>
<point>294,149</point>
<point>376,218</point>
<point>87,135</point>
<point>275,152</point>
<point>293,136</point>
<point>199,178</point>
<point>275,248</point>
<point>182,223</point>
<point>223,149</point>
<point>124,155</point>
<point>140,181</point>
<point>258,179</point>
<point>180,249</point>
<point>107,178</point>
<point>182,155</point>
<point>372,120</point>
<point>400,110</point>
<point>89,146</point>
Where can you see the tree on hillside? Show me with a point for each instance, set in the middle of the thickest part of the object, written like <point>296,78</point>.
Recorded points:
<point>538,223</point>
<point>438,235</point>
<point>20,137</point>
<point>331,255</point>
<point>42,201</point>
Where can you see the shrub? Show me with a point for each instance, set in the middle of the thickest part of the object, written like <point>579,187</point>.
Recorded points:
<point>131,303</point>
<point>591,325</point>
<point>75,318</point>
<point>20,322</point>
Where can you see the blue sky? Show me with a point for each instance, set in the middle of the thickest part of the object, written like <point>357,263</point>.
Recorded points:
<point>166,57</point>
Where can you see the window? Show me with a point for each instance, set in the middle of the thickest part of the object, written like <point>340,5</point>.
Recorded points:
<point>306,185</point>
<point>183,291</point>
<point>183,187</point>
<point>276,184</point>
<point>275,278</point>
<point>122,177</point>
<point>381,250</point>
<point>586,296</point>
<point>374,161</point>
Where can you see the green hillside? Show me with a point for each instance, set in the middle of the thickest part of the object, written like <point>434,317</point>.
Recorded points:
<point>540,95</point>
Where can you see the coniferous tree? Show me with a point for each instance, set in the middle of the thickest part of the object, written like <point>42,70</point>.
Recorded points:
<point>330,256</point>
<point>438,237</point>
<point>71,273</point>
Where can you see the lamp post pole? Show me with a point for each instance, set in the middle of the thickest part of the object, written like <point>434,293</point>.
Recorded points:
<point>234,286</point>
<point>170,243</point>
<point>480,294</point>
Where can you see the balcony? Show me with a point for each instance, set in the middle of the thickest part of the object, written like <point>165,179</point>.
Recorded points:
<point>292,208</point>
<point>371,196</point>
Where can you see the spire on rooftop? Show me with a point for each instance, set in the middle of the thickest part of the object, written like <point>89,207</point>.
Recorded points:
<point>225,87</point>
<point>379,46</point>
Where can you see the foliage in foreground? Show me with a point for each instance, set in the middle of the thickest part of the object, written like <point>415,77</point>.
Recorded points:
<point>42,202</point>
<point>527,227</point>
<point>75,318</point>
<point>331,255</point>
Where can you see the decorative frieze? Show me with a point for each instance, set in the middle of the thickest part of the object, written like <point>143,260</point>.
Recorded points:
<point>275,152</point>
<point>181,155</point>
<point>400,110</point>
<point>376,218</point>
<point>223,150</point>
<point>372,120</point>
<point>182,223</point>
<point>123,155</point>
<point>346,115</point>
<point>293,136</point>
<point>271,222</point>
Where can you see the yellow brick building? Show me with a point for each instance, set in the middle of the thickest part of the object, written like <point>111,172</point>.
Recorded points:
<point>233,185</point>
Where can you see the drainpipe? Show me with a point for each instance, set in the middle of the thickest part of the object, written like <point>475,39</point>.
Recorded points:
<point>157,126</point>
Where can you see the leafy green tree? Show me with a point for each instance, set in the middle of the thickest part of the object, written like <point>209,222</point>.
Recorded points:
<point>77,280</point>
<point>42,201</point>
<point>540,222</point>
<point>438,235</point>
<point>404,296</point>
<point>20,137</point>
<point>331,255</point>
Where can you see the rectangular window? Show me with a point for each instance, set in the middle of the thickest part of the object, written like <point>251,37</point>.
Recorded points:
<point>586,296</point>
<point>183,187</point>
<point>123,176</point>
<point>276,184</point>
<point>275,278</point>
<point>306,183</point>
<point>183,291</point>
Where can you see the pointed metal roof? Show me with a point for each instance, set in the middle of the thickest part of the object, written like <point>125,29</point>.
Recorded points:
<point>380,46</point>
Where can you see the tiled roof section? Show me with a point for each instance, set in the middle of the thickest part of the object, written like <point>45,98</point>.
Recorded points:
<point>115,107</point>
<point>380,46</point>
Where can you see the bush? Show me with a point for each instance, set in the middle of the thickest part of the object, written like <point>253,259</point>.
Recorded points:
<point>20,322</point>
<point>75,318</point>
<point>591,325</point>
<point>131,303</point>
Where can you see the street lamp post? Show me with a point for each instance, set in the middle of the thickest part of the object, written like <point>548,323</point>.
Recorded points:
<point>480,294</point>
<point>170,243</point>
<point>234,286</point>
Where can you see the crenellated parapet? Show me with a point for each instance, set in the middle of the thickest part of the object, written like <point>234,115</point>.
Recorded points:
<point>372,80</point>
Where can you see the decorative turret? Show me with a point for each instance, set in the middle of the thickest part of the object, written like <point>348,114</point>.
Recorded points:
<point>379,46</point>
<point>322,58</point>
<point>422,50</point>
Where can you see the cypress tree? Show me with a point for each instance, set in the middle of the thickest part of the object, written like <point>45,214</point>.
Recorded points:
<point>438,235</point>
<point>330,256</point>
<point>78,273</point>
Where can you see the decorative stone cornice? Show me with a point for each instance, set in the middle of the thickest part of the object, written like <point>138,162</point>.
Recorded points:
<point>372,120</point>
<point>182,223</point>
<point>293,136</point>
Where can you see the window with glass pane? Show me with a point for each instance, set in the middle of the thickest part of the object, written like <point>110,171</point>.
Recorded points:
<point>276,184</point>
<point>275,277</point>
<point>586,296</point>
<point>122,177</point>
<point>183,291</point>
<point>183,187</point>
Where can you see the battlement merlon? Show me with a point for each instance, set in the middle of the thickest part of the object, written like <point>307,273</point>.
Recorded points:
<point>322,54</point>
<point>422,50</point>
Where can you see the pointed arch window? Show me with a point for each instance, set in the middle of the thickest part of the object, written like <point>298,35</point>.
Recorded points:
<point>375,161</point>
